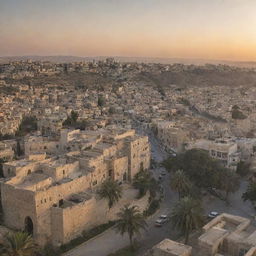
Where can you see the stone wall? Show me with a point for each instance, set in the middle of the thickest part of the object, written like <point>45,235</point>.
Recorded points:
<point>139,155</point>
<point>89,214</point>
<point>20,199</point>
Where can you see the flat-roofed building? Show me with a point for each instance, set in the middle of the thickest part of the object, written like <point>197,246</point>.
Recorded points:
<point>53,195</point>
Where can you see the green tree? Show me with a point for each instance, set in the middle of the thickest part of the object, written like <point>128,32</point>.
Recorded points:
<point>229,182</point>
<point>250,193</point>
<point>130,221</point>
<point>200,168</point>
<point>144,182</point>
<point>27,125</point>
<point>71,119</point>
<point>180,183</point>
<point>101,101</point>
<point>238,114</point>
<point>187,215</point>
<point>243,168</point>
<point>74,116</point>
<point>111,191</point>
<point>19,244</point>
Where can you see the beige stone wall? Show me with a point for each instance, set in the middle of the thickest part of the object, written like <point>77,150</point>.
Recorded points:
<point>47,198</point>
<point>60,172</point>
<point>120,169</point>
<point>139,155</point>
<point>49,147</point>
<point>89,214</point>
<point>10,170</point>
<point>17,205</point>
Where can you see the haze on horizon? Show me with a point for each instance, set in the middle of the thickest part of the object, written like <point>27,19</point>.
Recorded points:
<point>208,29</point>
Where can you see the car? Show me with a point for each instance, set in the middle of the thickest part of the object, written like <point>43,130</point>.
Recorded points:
<point>212,215</point>
<point>163,173</point>
<point>161,220</point>
<point>164,217</point>
<point>159,223</point>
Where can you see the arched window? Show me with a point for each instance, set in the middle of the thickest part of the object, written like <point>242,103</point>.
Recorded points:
<point>29,171</point>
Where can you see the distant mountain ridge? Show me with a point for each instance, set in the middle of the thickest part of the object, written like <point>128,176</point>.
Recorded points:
<point>66,59</point>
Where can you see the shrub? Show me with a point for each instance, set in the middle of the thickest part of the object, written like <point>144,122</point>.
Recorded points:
<point>152,208</point>
<point>50,250</point>
<point>86,235</point>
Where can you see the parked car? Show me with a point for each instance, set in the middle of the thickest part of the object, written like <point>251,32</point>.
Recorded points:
<point>213,215</point>
<point>161,220</point>
<point>163,173</point>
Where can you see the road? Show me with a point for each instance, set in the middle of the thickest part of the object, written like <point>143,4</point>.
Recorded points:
<point>110,241</point>
<point>236,206</point>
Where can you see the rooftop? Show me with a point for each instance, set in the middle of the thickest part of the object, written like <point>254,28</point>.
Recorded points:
<point>172,248</point>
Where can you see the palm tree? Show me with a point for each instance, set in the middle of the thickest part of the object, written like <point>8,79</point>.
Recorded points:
<point>111,191</point>
<point>180,183</point>
<point>19,244</point>
<point>130,221</point>
<point>187,215</point>
<point>144,182</point>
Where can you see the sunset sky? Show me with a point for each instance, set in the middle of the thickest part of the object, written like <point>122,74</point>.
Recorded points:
<point>208,29</point>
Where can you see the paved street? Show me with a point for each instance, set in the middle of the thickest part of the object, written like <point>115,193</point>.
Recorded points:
<point>236,206</point>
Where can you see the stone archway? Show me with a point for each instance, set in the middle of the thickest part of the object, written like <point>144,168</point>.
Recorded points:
<point>29,227</point>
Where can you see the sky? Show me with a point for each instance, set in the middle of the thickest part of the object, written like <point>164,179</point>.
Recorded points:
<point>202,29</point>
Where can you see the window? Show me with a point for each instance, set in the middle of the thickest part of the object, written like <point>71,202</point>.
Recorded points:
<point>63,172</point>
<point>45,200</point>
<point>95,183</point>
<point>29,171</point>
<point>45,147</point>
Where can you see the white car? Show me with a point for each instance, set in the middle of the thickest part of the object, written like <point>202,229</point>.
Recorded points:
<point>212,215</point>
<point>161,220</point>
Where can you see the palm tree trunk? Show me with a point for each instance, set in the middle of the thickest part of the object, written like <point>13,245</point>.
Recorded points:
<point>186,236</point>
<point>226,198</point>
<point>131,242</point>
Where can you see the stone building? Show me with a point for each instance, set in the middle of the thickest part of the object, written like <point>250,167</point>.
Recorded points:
<point>54,196</point>
<point>224,150</point>
<point>171,137</point>
<point>226,235</point>
<point>168,247</point>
